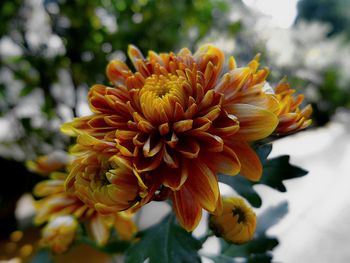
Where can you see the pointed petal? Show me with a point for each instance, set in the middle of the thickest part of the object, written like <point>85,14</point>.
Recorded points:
<point>250,163</point>
<point>203,185</point>
<point>187,210</point>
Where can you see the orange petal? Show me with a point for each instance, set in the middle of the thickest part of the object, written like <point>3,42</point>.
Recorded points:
<point>187,210</point>
<point>233,81</point>
<point>225,162</point>
<point>175,178</point>
<point>250,163</point>
<point>255,123</point>
<point>144,164</point>
<point>203,185</point>
<point>117,72</point>
<point>206,55</point>
<point>189,148</point>
<point>209,142</point>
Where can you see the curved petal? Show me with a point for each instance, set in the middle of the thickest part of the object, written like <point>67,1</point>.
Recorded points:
<point>203,185</point>
<point>99,230</point>
<point>250,163</point>
<point>117,72</point>
<point>225,162</point>
<point>175,178</point>
<point>187,210</point>
<point>255,123</point>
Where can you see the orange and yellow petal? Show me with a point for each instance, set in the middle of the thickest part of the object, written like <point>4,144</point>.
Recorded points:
<point>59,233</point>
<point>188,213</point>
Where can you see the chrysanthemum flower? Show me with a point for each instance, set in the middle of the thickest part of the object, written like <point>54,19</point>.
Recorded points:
<point>236,223</point>
<point>291,117</point>
<point>56,202</point>
<point>178,122</point>
<point>59,233</point>
<point>104,180</point>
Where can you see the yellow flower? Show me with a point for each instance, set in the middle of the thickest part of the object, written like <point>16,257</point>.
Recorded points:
<point>56,202</point>
<point>236,223</point>
<point>104,180</point>
<point>291,117</point>
<point>177,122</point>
<point>59,233</point>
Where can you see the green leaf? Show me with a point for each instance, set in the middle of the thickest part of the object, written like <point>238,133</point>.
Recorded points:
<point>165,242</point>
<point>26,90</point>
<point>279,169</point>
<point>271,216</point>
<point>243,187</point>
<point>263,152</point>
<point>259,245</point>
<point>256,258</point>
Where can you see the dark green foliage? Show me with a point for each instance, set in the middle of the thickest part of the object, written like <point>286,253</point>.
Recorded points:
<point>277,170</point>
<point>165,242</point>
<point>243,187</point>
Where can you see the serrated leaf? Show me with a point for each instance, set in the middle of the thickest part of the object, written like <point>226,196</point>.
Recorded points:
<point>243,187</point>
<point>279,169</point>
<point>271,216</point>
<point>165,242</point>
<point>263,152</point>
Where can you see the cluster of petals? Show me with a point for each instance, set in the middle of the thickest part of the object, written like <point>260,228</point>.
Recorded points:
<point>55,202</point>
<point>236,223</point>
<point>168,129</point>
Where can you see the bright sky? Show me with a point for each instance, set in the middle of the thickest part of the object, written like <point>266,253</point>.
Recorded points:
<point>282,12</point>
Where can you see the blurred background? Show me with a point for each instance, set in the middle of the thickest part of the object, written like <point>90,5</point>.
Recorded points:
<point>52,51</point>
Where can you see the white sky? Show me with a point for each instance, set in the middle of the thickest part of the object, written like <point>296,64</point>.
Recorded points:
<point>282,12</point>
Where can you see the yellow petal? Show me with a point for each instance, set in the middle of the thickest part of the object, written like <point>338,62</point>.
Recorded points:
<point>255,123</point>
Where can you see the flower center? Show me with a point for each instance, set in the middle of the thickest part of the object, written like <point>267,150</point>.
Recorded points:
<point>159,95</point>
<point>241,215</point>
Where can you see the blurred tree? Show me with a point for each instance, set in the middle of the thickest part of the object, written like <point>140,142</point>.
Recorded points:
<point>334,12</point>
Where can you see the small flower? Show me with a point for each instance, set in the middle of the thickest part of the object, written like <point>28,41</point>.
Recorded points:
<point>59,233</point>
<point>291,117</point>
<point>237,222</point>
<point>104,181</point>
